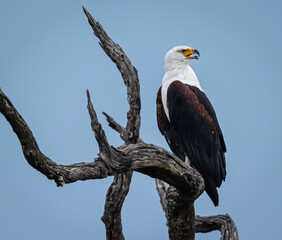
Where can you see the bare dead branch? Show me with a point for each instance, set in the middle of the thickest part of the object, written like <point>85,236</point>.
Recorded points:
<point>149,159</point>
<point>222,223</point>
<point>180,215</point>
<point>114,201</point>
<point>117,127</point>
<point>131,133</point>
<point>97,128</point>
<point>135,155</point>
<point>29,145</point>
<point>182,221</point>
<point>161,188</point>
<point>129,75</point>
<point>140,157</point>
<point>179,212</point>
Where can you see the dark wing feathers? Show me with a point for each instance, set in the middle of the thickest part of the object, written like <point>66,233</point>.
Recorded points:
<point>208,106</point>
<point>194,131</point>
<point>163,122</point>
<point>221,168</point>
<point>165,128</point>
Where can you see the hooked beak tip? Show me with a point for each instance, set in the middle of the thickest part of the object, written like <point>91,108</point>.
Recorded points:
<point>197,52</point>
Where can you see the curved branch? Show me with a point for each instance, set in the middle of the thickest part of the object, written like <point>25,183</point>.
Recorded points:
<point>114,201</point>
<point>29,145</point>
<point>146,158</point>
<point>161,188</point>
<point>129,75</point>
<point>222,223</point>
<point>112,218</point>
<point>186,183</point>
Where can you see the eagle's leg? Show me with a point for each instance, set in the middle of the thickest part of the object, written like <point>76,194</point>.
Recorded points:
<point>187,161</point>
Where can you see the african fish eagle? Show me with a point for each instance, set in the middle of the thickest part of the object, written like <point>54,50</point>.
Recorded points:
<point>188,121</point>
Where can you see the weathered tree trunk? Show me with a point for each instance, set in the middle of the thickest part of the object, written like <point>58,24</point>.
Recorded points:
<point>180,215</point>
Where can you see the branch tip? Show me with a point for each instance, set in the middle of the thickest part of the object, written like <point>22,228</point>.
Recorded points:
<point>129,75</point>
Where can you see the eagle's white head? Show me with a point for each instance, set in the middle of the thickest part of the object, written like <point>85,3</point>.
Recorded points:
<point>180,55</point>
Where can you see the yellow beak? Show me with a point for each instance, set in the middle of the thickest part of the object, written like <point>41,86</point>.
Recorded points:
<point>188,53</point>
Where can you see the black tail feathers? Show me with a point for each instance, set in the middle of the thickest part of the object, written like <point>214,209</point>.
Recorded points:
<point>210,188</point>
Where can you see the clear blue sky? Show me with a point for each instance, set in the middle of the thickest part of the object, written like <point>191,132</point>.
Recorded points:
<point>49,57</point>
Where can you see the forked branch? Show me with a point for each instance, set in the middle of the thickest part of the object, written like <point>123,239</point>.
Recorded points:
<point>222,223</point>
<point>129,75</point>
<point>134,155</point>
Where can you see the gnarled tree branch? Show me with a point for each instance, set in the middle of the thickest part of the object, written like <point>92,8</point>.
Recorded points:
<point>161,188</point>
<point>141,157</point>
<point>145,158</point>
<point>134,155</point>
<point>129,75</point>
<point>180,214</point>
<point>114,201</point>
<point>114,125</point>
<point>222,223</point>
<point>116,195</point>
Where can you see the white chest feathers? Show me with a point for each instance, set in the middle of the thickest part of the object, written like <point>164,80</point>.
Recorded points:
<point>182,73</point>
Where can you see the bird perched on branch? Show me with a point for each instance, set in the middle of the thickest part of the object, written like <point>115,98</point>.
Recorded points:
<point>188,121</point>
